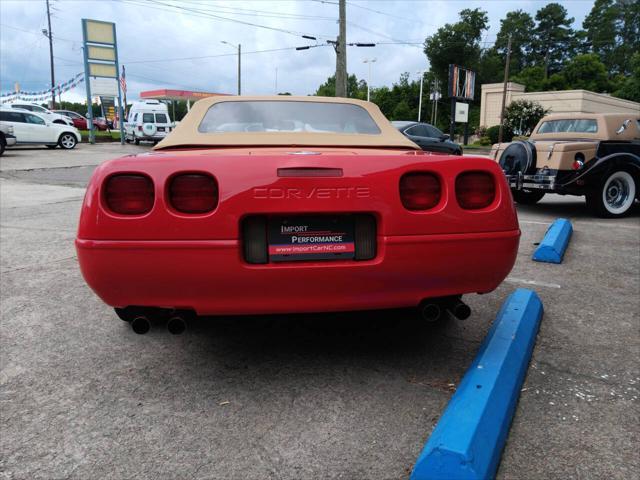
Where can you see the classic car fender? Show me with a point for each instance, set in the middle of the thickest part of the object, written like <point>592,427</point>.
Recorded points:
<point>595,169</point>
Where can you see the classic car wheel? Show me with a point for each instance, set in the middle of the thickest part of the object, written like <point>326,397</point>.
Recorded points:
<point>136,141</point>
<point>3,145</point>
<point>614,196</point>
<point>527,197</point>
<point>67,141</point>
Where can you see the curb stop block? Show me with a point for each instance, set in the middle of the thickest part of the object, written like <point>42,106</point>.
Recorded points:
<point>555,242</point>
<point>468,440</point>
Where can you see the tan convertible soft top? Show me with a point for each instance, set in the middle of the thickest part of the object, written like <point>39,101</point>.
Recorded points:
<point>186,133</point>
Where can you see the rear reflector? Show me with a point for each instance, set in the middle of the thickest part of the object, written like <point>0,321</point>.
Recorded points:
<point>193,193</point>
<point>419,191</point>
<point>129,194</point>
<point>475,190</point>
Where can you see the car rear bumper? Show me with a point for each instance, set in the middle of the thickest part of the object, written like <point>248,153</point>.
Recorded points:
<point>532,182</point>
<point>211,277</point>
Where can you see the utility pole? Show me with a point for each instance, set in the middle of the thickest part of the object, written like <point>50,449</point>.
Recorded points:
<point>434,101</point>
<point>504,90</point>
<point>341,52</point>
<point>53,80</point>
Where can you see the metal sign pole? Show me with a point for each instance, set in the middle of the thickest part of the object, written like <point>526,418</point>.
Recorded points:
<point>85,54</point>
<point>120,109</point>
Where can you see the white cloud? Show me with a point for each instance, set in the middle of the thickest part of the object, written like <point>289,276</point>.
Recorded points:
<point>151,30</point>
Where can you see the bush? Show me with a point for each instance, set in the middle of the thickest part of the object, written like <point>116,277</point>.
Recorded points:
<point>522,116</point>
<point>484,140</point>
<point>493,132</point>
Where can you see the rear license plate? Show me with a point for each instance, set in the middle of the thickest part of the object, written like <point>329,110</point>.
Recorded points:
<point>161,129</point>
<point>298,238</point>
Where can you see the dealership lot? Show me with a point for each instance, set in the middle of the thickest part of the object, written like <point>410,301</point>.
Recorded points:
<point>300,396</point>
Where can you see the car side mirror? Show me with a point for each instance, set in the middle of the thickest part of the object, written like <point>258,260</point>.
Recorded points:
<point>444,137</point>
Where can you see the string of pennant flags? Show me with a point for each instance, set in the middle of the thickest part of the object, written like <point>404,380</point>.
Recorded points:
<point>43,94</point>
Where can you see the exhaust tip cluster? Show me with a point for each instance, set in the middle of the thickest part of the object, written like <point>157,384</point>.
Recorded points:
<point>432,309</point>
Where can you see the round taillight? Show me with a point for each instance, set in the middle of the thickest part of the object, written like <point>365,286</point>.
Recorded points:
<point>129,194</point>
<point>475,190</point>
<point>419,190</point>
<point>193,193</point>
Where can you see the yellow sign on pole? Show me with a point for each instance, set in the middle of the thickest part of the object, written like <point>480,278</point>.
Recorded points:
<point>100,32</point>
<point>101,53</point>
<point>103,70</point>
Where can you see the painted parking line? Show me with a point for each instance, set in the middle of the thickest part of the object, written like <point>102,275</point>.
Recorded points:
<point>555,242</point>
<point>612,224</point>
<point>468,440</point>
<point>534,283</point>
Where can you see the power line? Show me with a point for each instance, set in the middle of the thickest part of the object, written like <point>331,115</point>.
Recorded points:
<point>164,60</point>
<point>204,13</point>
<point>263,13</point>
<point>414,20</point>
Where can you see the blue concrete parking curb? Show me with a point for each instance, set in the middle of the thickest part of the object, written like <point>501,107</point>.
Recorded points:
<point>468,440</point>
<point>555,242</point>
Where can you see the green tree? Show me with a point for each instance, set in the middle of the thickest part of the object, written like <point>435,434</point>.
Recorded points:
<point>518,25</point>
<point>629,28</point>
<point>554,39</point>
<point>630,87</point>
<point>601,31</point>
<point>355,88</point>
<point>586,72</point>
<point>532,78</point>
<point>457,43</point>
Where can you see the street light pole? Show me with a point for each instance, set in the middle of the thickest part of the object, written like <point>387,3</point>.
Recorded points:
<point>239,46</point>
<point>369,62</point>
<point>239,70</point>
<point>420,99</point>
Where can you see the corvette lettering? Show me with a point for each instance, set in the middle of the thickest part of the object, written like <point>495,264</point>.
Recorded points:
<point>320,193</point>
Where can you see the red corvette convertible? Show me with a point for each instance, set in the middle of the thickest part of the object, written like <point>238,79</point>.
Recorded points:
<point>292,204</point>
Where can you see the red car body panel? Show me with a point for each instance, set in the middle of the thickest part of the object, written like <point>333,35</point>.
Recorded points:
<point>80,123</point>
<point>195,261</point>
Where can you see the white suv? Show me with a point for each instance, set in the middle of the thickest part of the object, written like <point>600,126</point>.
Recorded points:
<point>47,114</point>
<point>33,128</point>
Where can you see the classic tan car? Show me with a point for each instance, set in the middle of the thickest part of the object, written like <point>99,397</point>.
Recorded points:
<point>596,155</point>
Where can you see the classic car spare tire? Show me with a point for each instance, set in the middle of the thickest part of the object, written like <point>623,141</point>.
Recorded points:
<point>518,157</point>
<point>614,195</point>
<point>527,197</point>
<point>149,129</point>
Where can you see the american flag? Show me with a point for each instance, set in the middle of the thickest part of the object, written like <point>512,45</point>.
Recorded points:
<point>123,81</point>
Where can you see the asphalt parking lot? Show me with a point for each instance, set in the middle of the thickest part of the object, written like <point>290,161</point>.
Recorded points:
<point>350,396</point>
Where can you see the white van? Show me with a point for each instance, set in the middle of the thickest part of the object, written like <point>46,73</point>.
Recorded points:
<point>148,121</point>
